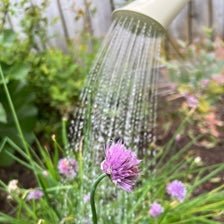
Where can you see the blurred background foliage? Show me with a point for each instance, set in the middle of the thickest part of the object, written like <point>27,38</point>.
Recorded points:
<point>196,82</point>
<point>44,81</point>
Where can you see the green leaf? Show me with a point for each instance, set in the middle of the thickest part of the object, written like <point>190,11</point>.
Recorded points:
<point>3,117</point>
<point>23,100</point>
<point>7,38</point>
<point>5,159</point>
<point>18,71</point>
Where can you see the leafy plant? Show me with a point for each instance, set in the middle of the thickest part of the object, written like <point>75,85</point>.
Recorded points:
<point>27,113</point>
<point>56,79</point>
<point>199,64</point>
<point>198,207</point>
<point>199,85</point>
<point>53,76</point>
<point>16,72</point>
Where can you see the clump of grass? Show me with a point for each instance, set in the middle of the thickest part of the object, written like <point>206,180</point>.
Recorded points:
<point>66,200</point>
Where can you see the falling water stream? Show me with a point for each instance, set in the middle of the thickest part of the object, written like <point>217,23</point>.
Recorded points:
<point>120,96</point>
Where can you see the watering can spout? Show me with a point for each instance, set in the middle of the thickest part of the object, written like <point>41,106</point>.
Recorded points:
<point>161,12</point>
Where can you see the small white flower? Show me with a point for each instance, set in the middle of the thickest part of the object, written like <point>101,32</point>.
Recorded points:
<point>13,186</point>
<point>198,160</point>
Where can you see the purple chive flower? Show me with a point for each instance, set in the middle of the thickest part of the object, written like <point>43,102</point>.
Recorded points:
<point>67,167</point>
<point>177,189</point>
<point>205,82</point>
<point>122,165</point>
<point>192,101</point>
<point>86,198</point>
<point>156,209</point>
<point>35,194</point>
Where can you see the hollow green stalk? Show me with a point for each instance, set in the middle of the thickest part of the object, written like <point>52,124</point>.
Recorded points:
<point>18,127</point>
<point>92,197</point>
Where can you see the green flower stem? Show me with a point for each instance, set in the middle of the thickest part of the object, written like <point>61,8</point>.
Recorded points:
<point>64,132</point>
<point>92,197</point>
<point>22,138</point>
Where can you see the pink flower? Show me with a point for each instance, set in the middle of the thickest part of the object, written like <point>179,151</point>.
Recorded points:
<point>211,124</point>
<point>86,198</point>
<point>156,209</point>
<point>205,82</point>
<point>192,101</point>
<point>219,78</point>
<point>219,49</point>
<point>177,189</point>
<point>67,167</point>
<point>122,165</point>
<point>35,194</point>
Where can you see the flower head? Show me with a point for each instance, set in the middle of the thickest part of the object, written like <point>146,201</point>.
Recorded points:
<point>156,209</point>
<point>13,186</point>
<point>192,101</point>
<point>177,190</point>
<point>45,173</point>
<point>178,138</point>
<point>86,198</point>
<point>67,167</point>
<point>205,82</point>
<point>35,194</point>
<point>122,165</point>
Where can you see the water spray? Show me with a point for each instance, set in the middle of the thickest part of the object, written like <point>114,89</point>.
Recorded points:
<point>119,100</point>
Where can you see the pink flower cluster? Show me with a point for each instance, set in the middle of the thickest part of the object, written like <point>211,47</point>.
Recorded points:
<point>67,167</point>
<point>176,189</point>
<point>192,101</point>
<point>156,209</point>
<point>35,194</point>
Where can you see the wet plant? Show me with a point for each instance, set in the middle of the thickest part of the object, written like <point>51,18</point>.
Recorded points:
<point>122,166</point>
<point>56,199</point>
